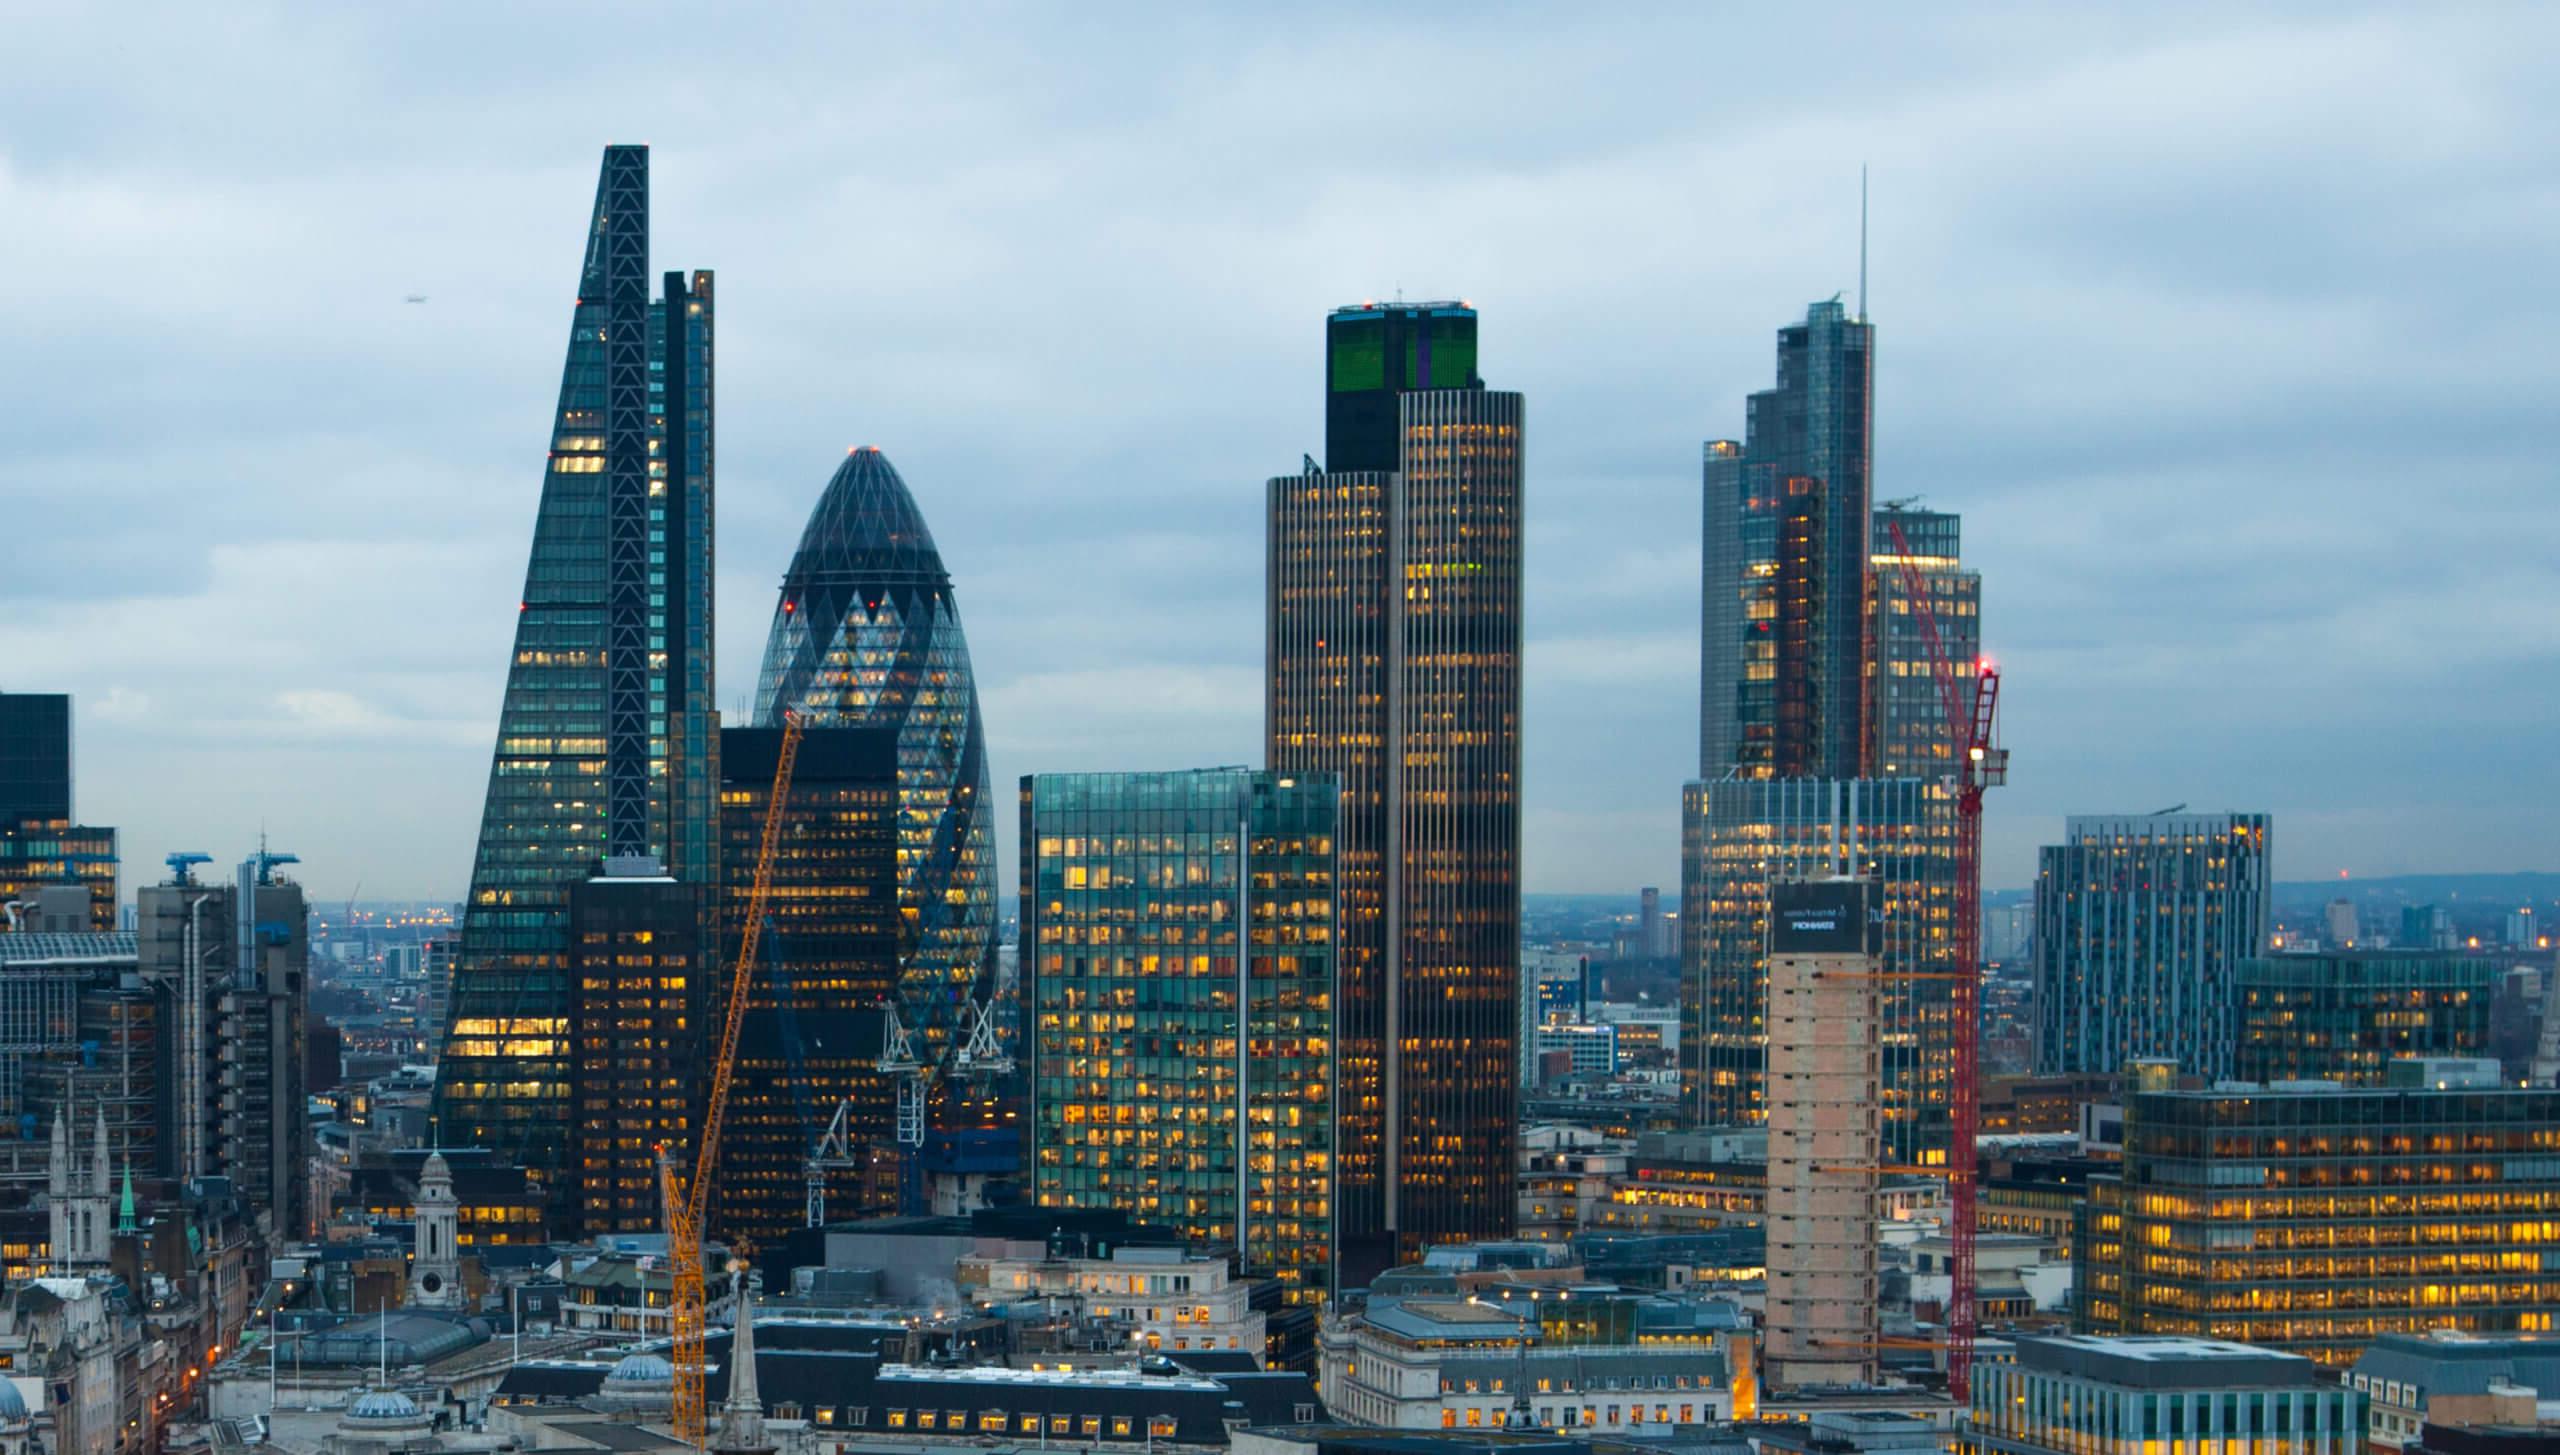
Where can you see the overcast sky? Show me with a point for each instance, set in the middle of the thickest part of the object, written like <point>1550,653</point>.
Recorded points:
<point>2230,335</point>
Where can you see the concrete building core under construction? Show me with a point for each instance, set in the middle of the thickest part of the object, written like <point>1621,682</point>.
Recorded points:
<point>1823,1090</point>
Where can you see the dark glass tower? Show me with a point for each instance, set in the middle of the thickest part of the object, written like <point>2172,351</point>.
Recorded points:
<point>867,635</point>
<point>605,743</point>
<point>1812,433</point>
<point>35,756</point>
<point>1393,662</point>
<point>827,968</point>
<point>40,845</point>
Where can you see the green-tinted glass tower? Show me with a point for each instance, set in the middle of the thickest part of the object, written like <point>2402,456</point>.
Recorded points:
<point>1178,970</point>
<point>605,736</point>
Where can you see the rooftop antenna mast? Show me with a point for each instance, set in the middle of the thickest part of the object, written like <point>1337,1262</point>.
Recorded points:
<point>1862,242</point>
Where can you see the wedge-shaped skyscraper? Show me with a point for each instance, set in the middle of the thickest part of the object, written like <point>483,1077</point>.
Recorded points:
<point>605,747</point>
<point>867,635</point>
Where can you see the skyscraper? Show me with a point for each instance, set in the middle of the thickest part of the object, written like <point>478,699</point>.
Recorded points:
<point>826,972</point>
<point>2142,924</point>
<point>1393,662</point>
<point>1821,1205</point>
<point>1741,837</point>
<point>35,756</point>
<point>231,962</point>
<point>1178,972</point>
<point>867,635</point>
<point>638,1003</point>
<point>1906,715</point>
<point>604,743</point>
<point>1788,507</point>
<point>40,844</point>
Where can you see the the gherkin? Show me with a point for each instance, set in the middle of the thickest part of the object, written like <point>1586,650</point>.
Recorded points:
<point>866,634</point>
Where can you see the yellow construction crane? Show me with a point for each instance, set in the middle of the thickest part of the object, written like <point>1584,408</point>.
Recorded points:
<point>686,1207</point>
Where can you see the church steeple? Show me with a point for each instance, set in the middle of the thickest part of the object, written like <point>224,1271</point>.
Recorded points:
<point>742,1414</point>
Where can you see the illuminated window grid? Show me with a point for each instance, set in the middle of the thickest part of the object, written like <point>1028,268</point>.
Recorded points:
<point>1145,1096</point>
<point>2314,1221</point>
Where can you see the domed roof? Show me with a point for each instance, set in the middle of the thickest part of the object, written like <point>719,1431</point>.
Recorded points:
<point>383,1404</point>
<point>865,531</point>
<point>13,1405</point>
<point>642,1369</point>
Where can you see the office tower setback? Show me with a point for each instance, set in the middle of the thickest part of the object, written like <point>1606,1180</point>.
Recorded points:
<point>827,971</point>
<point>1393,662</point>
<point>1178,967</point>
<point>867,635</point>
<point>2346,1015</point>
<point>1742,836</point>
<point>604,743</point>
<point>2142,922</point>
<point>2314,1220</point>
<point>1377,353</point>
<point>1786,563</point>
<point>637,1006</point>
<point>1906,716</point>
<point>1824,947</point>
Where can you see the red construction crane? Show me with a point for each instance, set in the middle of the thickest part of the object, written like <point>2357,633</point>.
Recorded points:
<point>1974,765</point>
<point>686,1207</point>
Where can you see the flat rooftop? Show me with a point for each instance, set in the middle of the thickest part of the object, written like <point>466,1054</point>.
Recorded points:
<point>2163,1361</point>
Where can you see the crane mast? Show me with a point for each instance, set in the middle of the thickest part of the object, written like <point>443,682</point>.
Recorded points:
<point>688,1206</point>
<point>1975,765</point>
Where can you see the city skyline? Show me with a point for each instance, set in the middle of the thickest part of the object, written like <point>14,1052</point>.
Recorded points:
<point>2204,569</point>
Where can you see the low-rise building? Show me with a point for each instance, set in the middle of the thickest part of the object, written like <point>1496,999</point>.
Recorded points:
<point>2454,1380</point>
<point>2316,1218</point>
<point>2079,1395</point>
<point>1584,1360</point>
<point>1168,1300</point>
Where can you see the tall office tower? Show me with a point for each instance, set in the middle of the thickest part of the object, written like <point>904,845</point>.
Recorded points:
<point>260,1033</point>
<point>604,742</point>
<point>1825,943</point>
<point>1801,473</point>
<point>867,635</point>
<point>636,1022</point>
<point>2340,921</point>
<point>233,961</point>
<point>35,756</point>
<point>2142,922</point>
<point>1649,922</point>
<point>1179,968</point>
<point>827,968</point>
<point>1740,837</point>
<point>1906,716</point>
<point>1392,661</point>
<point>41,846</point>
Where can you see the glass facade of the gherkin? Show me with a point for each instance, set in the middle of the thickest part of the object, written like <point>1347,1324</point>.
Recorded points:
<point>867,635</point>
<point>605,743</point>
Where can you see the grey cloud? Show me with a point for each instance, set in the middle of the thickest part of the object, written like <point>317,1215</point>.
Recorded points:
<point>2219,327</point>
